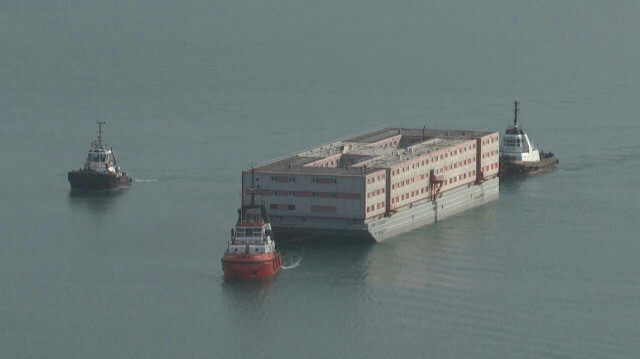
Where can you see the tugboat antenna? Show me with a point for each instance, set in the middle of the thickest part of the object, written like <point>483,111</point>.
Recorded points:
<point>253,190</point>
<point>100,123</point>
<point>515,112</point>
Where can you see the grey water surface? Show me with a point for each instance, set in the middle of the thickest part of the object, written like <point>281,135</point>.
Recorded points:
<point>195,91</point>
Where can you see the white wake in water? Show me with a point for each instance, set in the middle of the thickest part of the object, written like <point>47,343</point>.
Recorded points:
<point>140,180</point>
<point>297,263</point>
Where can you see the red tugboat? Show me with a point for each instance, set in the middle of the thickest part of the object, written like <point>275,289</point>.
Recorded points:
<point>252,252</point>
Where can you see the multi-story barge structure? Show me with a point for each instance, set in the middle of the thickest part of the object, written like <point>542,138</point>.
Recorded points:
<point>377,184</point>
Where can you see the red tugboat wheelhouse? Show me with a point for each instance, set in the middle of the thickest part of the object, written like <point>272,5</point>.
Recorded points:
<point>251,252</point>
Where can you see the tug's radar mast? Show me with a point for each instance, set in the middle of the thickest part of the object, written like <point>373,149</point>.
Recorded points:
<point>100,123</point>
<point>253,189</point>
<point>515,112</point>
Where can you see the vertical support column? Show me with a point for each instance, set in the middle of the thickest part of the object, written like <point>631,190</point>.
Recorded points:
<point>387,191</point>
<point>479,177</point>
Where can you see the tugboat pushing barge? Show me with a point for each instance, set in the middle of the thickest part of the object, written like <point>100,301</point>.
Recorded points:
<point>519,156</point>
<point>100,171</point>
<point>251,252</point>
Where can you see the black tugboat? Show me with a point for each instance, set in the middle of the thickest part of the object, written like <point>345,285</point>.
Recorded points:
<point>100,171</point>
<point>519,156</point>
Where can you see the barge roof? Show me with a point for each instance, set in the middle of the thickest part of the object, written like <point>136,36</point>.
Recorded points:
<point>360,154</point>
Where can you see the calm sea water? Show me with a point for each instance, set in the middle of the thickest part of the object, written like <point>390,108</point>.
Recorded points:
<point>195,91</point>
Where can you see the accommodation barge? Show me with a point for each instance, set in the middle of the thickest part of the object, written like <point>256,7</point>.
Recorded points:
<point>377,184</point>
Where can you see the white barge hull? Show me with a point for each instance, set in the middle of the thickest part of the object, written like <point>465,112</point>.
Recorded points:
<point>382,228</point>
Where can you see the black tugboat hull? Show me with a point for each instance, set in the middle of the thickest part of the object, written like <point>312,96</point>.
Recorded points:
<point>508,168</point>
<point>91,181</point>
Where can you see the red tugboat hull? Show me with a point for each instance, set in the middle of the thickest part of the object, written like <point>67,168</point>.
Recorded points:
<point>248,266</point>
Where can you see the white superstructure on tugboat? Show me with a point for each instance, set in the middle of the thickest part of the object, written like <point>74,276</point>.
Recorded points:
<point>100,170</point>
<point>519,156</point>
